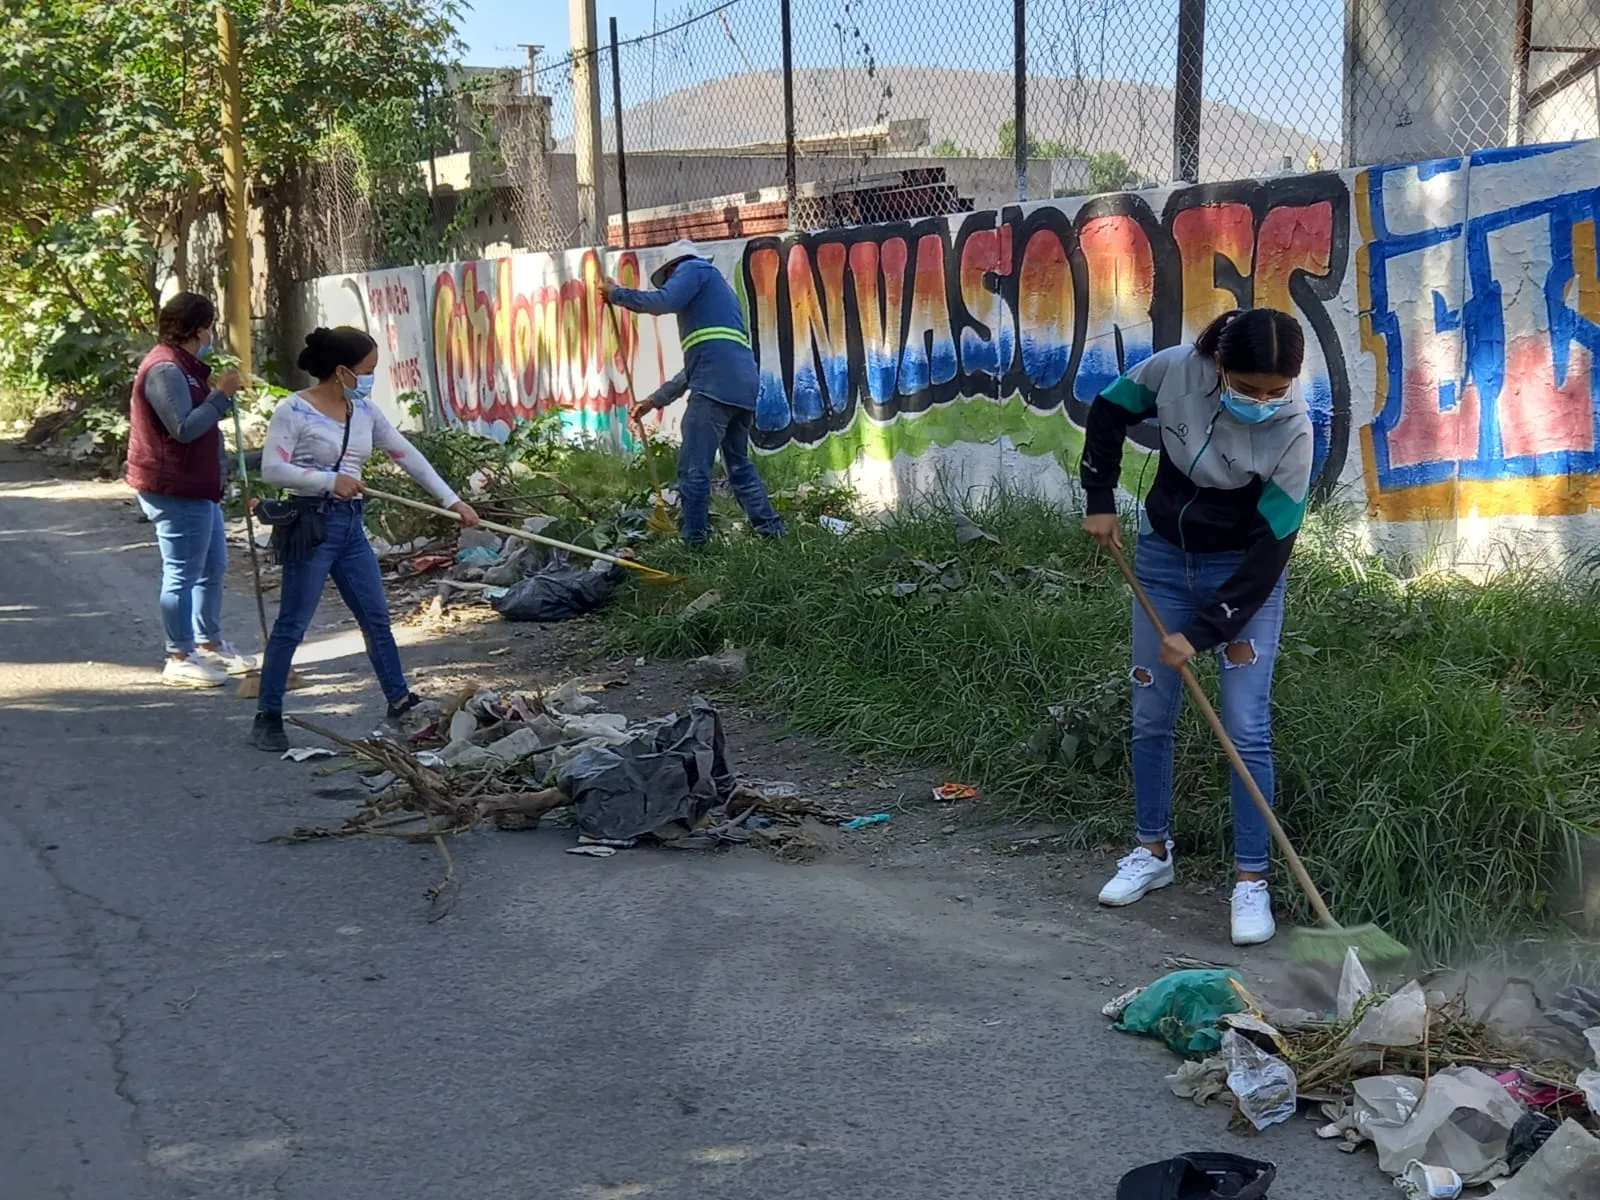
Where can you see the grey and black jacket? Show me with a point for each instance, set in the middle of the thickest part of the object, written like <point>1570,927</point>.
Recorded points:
<point>1221,486</point>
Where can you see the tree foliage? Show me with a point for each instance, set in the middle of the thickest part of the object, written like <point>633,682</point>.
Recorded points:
<point>110,146</point>
<point>1109,171</point>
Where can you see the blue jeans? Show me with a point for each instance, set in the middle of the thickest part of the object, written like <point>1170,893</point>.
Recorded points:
<point>194,559</point>
<point>1180,585</point>
<point>347,556</point>
<point>707,425</point>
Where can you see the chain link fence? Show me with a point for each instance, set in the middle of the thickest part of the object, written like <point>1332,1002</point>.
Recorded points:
<point>519,127</point>
<point>338,226</point>
<point>702,107</point>
<point>899,109</point>
<point>1426,80</point>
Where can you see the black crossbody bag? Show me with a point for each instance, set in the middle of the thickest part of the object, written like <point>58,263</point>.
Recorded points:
<point>299,524</point>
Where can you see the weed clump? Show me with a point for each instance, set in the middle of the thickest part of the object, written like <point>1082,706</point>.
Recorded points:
<point>1438,753</point>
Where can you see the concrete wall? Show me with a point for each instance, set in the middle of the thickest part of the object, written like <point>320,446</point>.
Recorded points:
<point>1433,78</point>
<point>1452,310</point>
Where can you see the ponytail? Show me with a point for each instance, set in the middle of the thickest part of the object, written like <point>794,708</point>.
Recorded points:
<point>1255,341</point>
<point>327,350</point>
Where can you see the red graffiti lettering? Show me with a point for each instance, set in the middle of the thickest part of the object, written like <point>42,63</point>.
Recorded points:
<point>503,355</point>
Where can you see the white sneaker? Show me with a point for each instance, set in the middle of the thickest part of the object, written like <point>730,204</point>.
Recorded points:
<point>1139,874</point>
<point>192,672</point>
<point>1252,914</point>
<point>227,659</point>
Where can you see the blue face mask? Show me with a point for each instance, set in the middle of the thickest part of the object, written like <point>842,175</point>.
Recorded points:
<point>1248,409</point>
<point>1251,412</point>
<point>363,387</point>
<point>207,350</point>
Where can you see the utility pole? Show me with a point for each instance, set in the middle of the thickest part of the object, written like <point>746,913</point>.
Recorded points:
<point>236,306</point>
<point>616,123</point>
<point>582,23</point>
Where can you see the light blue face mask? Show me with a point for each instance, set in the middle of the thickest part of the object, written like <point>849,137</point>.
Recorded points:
<point>1251,412</point>
<point>207,350</point>
<point>363,387</point>
<point>1248,410</point>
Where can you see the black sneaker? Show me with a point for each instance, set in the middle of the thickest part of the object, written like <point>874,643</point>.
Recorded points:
<point>400,708</point>
<point>267,733</point>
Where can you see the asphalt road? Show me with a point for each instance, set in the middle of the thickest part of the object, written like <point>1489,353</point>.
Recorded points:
<point>188,1012</point>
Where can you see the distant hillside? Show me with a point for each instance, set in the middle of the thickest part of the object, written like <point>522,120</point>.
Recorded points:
<point>967,108</point>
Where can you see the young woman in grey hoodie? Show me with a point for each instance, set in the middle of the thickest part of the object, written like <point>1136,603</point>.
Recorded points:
<point>1218,526</point>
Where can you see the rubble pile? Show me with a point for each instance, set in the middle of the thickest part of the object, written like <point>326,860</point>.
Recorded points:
<point>513,759</point>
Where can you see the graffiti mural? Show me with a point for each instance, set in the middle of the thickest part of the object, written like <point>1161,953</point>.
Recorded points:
<point>516,338</point>
<point>1452,310</point>
<point>1480,294</point>
<point>1043,304</point>
<point>390,305</point>
<point>394,307</point>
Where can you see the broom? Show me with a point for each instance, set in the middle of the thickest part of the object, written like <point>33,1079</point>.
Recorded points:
<point>650,574</point>
<point>250,685</point>
<point>1329,944</point>
<point>660,521</point>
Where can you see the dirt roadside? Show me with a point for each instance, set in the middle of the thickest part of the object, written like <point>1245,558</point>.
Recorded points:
<point>1019,871</point>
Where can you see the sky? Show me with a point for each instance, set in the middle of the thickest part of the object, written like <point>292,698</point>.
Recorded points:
<point>1279,59</point>
<point>494,29</point>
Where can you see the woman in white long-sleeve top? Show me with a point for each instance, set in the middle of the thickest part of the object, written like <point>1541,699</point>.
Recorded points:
<point>316,445</point>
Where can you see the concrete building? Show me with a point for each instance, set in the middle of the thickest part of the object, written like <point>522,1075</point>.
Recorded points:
<point>1438,78</point>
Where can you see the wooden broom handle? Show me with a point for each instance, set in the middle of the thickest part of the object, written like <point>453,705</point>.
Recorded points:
<point>511,531</point>
<point>1318,905</point>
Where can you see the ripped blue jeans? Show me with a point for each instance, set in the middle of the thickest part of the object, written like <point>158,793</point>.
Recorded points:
<point>1180,585</point>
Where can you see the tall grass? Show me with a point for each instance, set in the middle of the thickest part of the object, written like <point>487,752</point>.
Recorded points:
<point>1437,740</point>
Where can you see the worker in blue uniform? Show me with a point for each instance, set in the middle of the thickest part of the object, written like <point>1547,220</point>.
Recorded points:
<point>720,375</point>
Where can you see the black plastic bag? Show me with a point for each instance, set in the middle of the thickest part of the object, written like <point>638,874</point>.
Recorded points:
<point>1527,1138</point>
<point>558,595</point>
<point>675,772</point>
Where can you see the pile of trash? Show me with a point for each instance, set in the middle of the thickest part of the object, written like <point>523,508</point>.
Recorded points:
<point>511,759</point>
<point>520,580</point>
<point>1452,1085</point>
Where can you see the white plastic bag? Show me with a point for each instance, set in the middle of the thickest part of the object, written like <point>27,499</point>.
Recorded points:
<point>1384,1102</point>
<point>1589,1085</point>
<point>1265,1086</point>
<point>1354,984</point>
<point>1462,1120</point>
<point>1398,1021</point>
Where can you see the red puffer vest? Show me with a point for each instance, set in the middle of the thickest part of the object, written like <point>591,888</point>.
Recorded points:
<point>157,461</point>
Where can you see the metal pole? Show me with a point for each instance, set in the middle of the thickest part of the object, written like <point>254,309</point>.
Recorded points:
<point>1349,92</point>
<point>789,185</point>
<point>1019,71</point>
<point>1521,49</point>
<point>433,161</point>
<point>616,120</point>
<point>1188,91</point>
<point>237,297</point>
<point>586,123</point>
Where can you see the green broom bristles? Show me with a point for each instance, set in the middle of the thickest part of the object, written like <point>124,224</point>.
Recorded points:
<point>1329,946</point>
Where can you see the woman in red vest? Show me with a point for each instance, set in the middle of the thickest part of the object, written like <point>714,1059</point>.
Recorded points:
<point>177,464</point>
